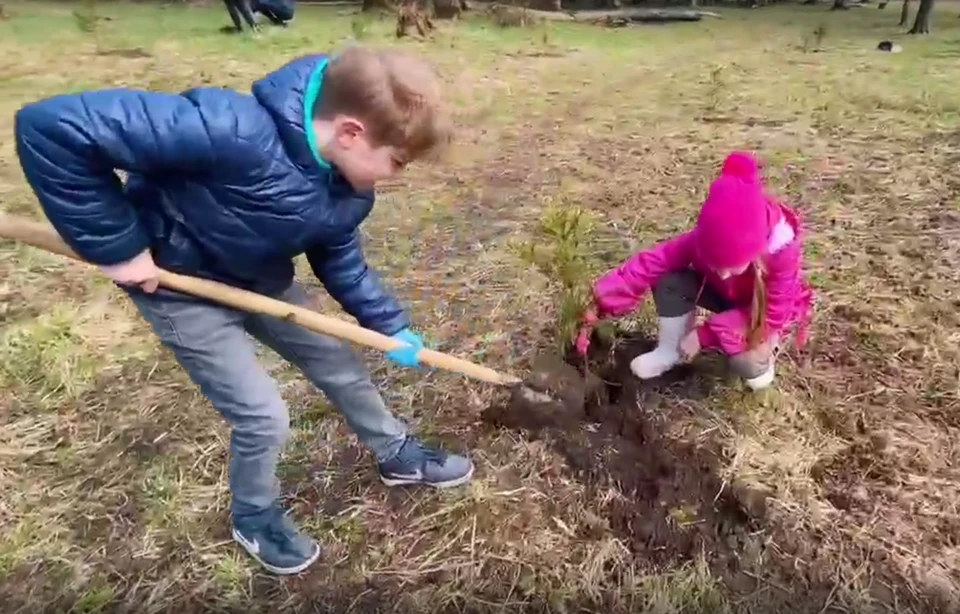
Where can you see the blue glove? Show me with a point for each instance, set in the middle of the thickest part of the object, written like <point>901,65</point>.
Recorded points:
<point>407,355</point>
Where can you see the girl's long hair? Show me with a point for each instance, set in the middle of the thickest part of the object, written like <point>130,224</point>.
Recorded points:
<point>757,333</point>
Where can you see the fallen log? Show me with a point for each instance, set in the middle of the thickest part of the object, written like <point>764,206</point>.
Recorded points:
<point>640,15</point>
<point>608,18</point>
<point>545,15</point>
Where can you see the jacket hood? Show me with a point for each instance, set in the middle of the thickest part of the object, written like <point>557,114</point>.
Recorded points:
<point>283,93</point>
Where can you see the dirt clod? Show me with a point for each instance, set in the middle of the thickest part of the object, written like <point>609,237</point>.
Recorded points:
<point>752,499</point>
<point>554,394</point>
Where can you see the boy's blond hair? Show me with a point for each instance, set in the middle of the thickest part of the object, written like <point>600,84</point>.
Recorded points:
<point>396,95</point>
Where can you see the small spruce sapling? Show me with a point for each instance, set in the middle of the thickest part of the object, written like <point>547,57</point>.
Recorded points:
<point>561,254</point>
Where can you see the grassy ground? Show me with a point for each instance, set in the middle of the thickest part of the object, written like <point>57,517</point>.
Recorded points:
<point>112,466</point>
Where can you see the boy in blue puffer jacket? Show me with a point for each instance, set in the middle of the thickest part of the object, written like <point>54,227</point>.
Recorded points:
<point>232,187</point>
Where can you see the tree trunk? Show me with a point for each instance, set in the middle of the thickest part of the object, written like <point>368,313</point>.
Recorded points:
<point>372,5</point>
<point>446,9</point>
<point>904,13</point>
<point>922,23</point>
<point>412,14</point>
<point>809,1</point>
<point>839,5</point>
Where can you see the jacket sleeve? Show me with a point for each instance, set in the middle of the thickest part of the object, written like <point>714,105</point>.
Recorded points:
<point>343,271</point>
<point>621,290</point>
<point>71,145</point>
<point>727,330</point>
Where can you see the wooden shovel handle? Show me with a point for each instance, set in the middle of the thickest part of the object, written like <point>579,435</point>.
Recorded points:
<point>46,237</point>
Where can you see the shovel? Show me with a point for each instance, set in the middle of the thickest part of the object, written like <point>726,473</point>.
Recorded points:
<point>539,391</point>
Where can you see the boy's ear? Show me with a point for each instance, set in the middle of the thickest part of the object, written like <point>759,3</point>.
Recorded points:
<point>347,130</point>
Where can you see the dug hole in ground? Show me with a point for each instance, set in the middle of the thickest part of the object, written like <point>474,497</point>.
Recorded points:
<point>666,491</point>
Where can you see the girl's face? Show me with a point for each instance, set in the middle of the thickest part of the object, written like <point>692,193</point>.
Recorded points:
<point>732,272</point>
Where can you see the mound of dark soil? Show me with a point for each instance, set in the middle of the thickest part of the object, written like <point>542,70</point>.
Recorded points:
<point>676,505</point>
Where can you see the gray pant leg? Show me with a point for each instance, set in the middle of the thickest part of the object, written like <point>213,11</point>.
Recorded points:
<point>245,10</point>
<point>234,14</point>
<point>676,295</point>
<point>332,367</point>
<point>209,341</point>
<point>748,367</point>
<point>238,9</point>
<point>756,362</point>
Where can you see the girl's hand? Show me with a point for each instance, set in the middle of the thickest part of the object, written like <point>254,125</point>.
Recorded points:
<point>690,346</point>
<point>582,342</point>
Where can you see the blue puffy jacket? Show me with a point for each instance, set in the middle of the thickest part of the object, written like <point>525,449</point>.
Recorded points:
<point>220,185</point>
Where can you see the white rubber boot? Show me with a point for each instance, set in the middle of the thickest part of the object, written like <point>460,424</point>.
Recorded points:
<point>667,353</point>
<point>764,380</point>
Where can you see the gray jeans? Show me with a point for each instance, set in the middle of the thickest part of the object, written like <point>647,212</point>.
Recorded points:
<point>680,293</point>
<point>211,342</point>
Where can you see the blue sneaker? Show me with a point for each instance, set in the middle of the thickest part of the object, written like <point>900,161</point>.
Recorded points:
<point>275,542</point>
<point>416,463</point>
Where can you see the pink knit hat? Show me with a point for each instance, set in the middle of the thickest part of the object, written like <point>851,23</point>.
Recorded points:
<point>737,218</point>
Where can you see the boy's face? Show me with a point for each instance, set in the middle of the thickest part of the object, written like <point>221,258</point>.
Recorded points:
<point>362,162</point>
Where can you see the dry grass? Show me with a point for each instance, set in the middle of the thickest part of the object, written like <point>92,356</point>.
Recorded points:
<point>112,466</point>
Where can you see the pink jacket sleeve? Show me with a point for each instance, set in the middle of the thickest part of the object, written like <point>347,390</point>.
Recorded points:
<point>619,291</point>
<point>727,331</point>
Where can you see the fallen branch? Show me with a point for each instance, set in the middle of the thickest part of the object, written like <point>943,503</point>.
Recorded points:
<point>546,15</point>
<point>624,16</point>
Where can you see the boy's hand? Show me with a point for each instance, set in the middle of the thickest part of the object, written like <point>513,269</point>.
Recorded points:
<point>140,271</point>
<point>690,346</point>
<point>406,355</point>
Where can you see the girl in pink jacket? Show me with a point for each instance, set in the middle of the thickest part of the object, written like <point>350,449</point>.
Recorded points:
<point>741,261</point>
